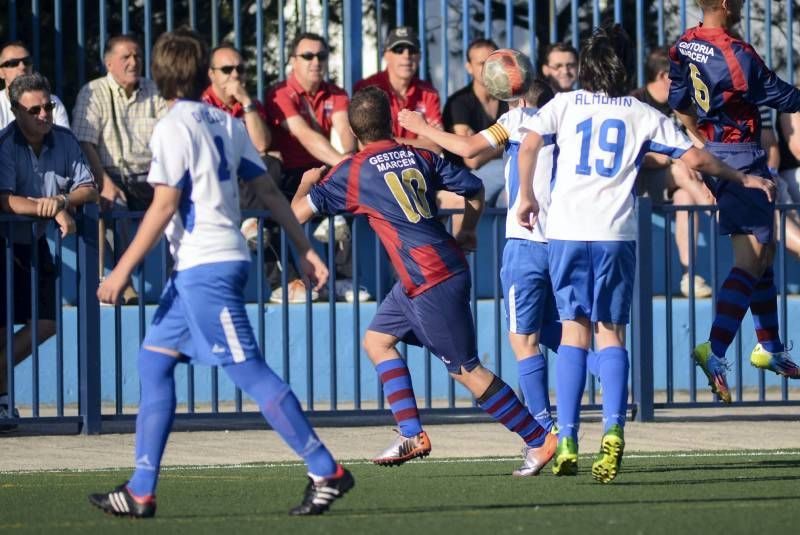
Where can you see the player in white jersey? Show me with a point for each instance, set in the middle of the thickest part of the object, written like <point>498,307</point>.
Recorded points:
<point>199,152</point>
<point>591,228</point>
<point>529,304</point>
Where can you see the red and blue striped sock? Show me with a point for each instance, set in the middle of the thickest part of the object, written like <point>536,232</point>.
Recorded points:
<point>734,298</point>
<point>764,307</point>
<point>502,404</point>
<point>396,380</point>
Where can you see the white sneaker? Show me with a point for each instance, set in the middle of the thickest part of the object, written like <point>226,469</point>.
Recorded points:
<point>341,232</point>
<point>701,289</point>
<point>344,292</point>
<point>249,230</point>
<point>296,291</point>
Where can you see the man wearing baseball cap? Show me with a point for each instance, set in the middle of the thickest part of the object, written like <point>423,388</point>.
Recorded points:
<point>406,91</point>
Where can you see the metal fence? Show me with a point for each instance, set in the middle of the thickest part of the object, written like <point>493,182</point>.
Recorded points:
<point>316,346</point>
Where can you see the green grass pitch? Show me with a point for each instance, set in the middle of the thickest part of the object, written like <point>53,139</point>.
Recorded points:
<point>751,492</point>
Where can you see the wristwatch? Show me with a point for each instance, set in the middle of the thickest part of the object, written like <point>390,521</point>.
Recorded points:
<point>249,107</point>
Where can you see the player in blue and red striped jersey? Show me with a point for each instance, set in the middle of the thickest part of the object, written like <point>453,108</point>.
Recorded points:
<point>395,187</point>
<point>717,84</point>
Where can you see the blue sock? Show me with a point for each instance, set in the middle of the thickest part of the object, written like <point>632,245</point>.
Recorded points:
<point>612,367</point>
<point>591,363</point>
<point>533,382</point>
<point>396,380</point>
<point>570,382</point>
<point>550,335</point>
<point>282,411</point>
<point>154,421</point>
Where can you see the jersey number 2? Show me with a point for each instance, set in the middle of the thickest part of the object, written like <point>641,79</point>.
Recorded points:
<point>613,145</point>
<point>411,198</point>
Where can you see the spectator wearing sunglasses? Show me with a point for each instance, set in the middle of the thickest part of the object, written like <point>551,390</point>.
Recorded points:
<point>15,60</point>
<point>228,92</point>
<point>43,173</point>
<point>113,119</point>
<point>401,83</point>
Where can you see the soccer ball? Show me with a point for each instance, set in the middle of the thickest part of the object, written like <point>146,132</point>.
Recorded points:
<point>507,74</point>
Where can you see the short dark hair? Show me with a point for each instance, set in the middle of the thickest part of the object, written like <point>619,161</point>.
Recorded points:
<point>539,93</point>
<point>224,46</point>
<point>481,42</point>
<point>657,62</point>
<point>27,82</point>
<point>180,65</point>
<point>306,35</point>
<point>606,62</point>
<point>557,47</point>
<point>117,39</point>
<point>370,115</point>
<point>13,43</point>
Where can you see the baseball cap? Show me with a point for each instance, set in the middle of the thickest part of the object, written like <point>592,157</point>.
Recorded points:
<point>403,35</point>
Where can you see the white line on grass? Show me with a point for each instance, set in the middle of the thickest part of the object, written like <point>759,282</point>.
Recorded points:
<point>357,462</point>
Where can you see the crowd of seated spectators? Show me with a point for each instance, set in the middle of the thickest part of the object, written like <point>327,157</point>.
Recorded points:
<point>50,165</point>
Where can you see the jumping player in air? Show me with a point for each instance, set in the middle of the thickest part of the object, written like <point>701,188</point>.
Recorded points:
<point>717,83</point>
<point>601,135</point>
<point>395,187</point>
<point>198,153</point>
<point>529,303</point>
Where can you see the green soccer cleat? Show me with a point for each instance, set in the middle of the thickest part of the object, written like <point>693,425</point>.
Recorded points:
<point>566,457</point>
<point>780,363</point>
<point>714,367</point>
<point>607,463</point>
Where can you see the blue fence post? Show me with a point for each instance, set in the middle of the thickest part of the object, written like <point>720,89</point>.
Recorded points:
<point>352,43</point>
<point>88,322</point>
<point>642,331</point>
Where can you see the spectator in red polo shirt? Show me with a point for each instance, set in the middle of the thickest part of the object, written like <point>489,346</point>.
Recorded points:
<point>228,92</point>
<point>309,113</point>
<point>405,89</point>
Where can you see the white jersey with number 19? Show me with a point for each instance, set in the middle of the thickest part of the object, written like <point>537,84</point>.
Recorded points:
<point>600,142</point>
<point>202,151</point>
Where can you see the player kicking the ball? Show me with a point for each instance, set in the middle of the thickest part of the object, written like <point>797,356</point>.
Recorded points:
<point>395,187</point>
<point>591,228</point>
<point>198,154</point>
<point>529,304</point>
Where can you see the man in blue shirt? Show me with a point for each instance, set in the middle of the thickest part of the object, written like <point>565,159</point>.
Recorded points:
<point>42,174</point>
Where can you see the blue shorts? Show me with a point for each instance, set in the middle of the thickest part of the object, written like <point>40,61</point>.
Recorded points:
<point>593,279</point>
<point>439,319</point>
<point>201,315</point>
<point>743,210</point>
<point>527,291</point>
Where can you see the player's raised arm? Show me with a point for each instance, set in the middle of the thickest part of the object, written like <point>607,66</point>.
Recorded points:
<point>464,146</point>
<point>528,209</point>
<point>705,162</point>
<point>302,209</point>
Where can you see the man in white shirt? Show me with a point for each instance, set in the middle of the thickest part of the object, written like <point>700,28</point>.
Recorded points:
<point>15,60</point>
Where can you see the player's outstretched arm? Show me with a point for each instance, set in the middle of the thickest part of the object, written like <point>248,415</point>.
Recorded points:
<point>689,121</point>
<point>464,146</point>
<point>528,209</point>
<point>310,263</point>
<point>165,203</point>
<point>705,162</point>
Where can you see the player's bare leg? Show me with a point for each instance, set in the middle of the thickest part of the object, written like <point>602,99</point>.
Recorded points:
<point>411,441</point>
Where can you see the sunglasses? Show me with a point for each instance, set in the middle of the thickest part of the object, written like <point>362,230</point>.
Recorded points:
<point>228,69</point>
<point>308,56</point>
<point>11,63</point>
<point>399,49</point>
<point>36,110</point>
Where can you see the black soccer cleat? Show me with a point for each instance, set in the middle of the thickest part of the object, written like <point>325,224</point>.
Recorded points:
<point>120,502</point>
<point>320,495</point>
